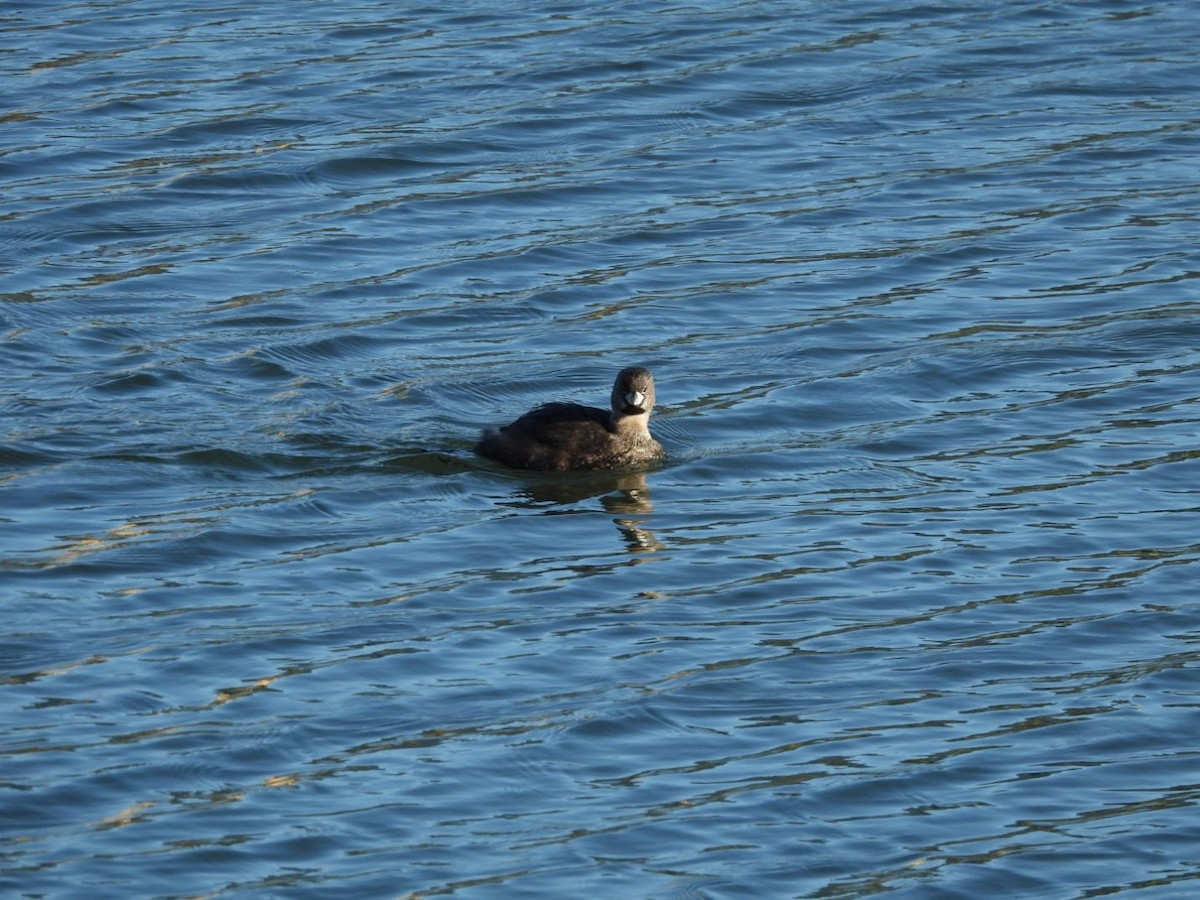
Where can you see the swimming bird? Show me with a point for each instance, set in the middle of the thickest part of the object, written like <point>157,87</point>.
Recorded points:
<point>565,436</point>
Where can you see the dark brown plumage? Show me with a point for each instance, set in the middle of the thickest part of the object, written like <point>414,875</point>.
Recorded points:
<point>564,436</point>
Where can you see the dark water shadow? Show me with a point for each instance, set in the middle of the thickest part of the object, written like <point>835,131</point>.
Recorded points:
<point>429,462</point>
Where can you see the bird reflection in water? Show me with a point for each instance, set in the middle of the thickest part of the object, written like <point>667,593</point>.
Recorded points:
<point>626,495</point>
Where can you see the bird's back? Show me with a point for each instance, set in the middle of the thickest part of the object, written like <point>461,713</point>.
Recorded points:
<point>553,437</point>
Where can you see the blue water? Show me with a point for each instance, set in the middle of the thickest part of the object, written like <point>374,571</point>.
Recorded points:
<point>911,609</point>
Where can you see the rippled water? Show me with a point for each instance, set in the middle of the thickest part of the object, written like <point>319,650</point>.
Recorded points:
<point>910,610</point>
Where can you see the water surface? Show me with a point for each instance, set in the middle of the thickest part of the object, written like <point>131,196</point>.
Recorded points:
<point>910,610</point>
